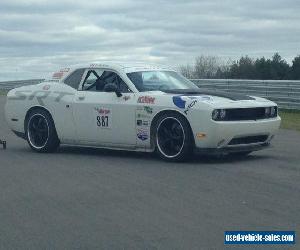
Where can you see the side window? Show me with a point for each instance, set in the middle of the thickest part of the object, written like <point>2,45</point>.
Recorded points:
<point>90,82</point>
<point>74,79</point>
<point>96,80</point>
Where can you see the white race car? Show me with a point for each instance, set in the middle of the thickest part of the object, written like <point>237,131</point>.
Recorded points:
<point>141,108</point>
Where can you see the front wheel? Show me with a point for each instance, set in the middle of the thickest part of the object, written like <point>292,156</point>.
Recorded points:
<point>173,137</point>
<point>40,132</point>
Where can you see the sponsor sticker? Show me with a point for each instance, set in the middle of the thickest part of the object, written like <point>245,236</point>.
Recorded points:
<point>61,73</point>
<point>179,102</point>
<point>46,87</point>
<point>148,109</point>
<point>103,117</point>
<point>146,99</point>
<point>192,104</point>
<point>143,116</point>
<point>144,123</point>
<point>142,134</point>
<point>126,97</point>
<point>58,75</point>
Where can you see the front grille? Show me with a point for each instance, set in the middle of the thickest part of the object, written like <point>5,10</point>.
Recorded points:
<point>248,139</point>
<point>242,114</point>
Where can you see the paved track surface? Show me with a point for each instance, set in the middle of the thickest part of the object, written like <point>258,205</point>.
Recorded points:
<point>99,199</point>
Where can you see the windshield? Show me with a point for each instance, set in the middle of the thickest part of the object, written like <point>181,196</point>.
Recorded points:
<point>159,80</point>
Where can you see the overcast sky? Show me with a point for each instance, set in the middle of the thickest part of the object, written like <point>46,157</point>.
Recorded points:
<point>40,36</point>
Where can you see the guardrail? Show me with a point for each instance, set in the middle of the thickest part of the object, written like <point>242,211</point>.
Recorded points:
<point>285,93</point>
<point>14,84</point>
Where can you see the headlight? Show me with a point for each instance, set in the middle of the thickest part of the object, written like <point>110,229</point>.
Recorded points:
<point>222,114</point>
<point>270,112</point>
<point>218,114</point>
<point>267,111</point>
<point>215,114</point>
<point>273,111</point>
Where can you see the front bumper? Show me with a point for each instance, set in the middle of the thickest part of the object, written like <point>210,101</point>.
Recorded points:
<point>219,135</point>
<point>226,150</point>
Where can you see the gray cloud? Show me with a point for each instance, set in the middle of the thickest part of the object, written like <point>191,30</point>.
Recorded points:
<point>39,36</point>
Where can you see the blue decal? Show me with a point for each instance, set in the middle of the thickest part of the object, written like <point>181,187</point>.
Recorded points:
<point>142,137</point>
<point>142,134</point>
<point>177,100</point>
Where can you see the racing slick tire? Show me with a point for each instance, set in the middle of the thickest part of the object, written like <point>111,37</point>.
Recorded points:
<point>40,131</point>
<point>173,137</point>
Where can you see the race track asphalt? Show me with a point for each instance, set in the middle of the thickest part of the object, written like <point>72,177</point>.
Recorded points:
<point>99,199</point>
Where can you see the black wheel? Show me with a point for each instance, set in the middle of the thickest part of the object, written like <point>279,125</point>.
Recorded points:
<point>40,132</point>
<point>173,137</point>
<point>240,154</point>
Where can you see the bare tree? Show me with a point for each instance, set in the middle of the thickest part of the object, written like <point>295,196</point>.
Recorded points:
<point>187,70</point>
<point>206,66</point>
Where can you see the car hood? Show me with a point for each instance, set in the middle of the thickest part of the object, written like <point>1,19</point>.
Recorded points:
<point>201,92</point>
<point>217,99</point>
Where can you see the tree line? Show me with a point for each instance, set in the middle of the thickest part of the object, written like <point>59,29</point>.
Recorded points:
<point>212,67</point>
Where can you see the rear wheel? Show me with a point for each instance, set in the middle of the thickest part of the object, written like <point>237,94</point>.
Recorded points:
<point>40,132</point>
<point>173,137</point>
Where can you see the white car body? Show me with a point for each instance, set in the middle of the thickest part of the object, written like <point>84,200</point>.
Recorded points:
<point>128,119</point>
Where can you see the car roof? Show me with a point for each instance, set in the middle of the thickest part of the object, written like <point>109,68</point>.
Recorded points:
<point>126,67</point>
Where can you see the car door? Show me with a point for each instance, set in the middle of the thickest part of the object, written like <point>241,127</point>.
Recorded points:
<point>102,118</point>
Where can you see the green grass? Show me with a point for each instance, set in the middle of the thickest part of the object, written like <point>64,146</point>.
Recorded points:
<point>3,92</point>
<point>290,119</point>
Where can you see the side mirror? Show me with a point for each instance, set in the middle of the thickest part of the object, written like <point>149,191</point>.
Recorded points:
<point>111,87</point>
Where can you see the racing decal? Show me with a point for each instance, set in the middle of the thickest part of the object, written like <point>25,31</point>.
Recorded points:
<point>148,109</point>
<point>144,123</point>
<point>192,104</point>
<point>126,97</point>
<point>146,99</point>
<point>58,75</point>
<point>143,116</point>
<point>179,102</point>
<point>40,95</point>
<point>46,87</point>
<point>142,134</point>
<point>103,117</point>
<point>98,65</point>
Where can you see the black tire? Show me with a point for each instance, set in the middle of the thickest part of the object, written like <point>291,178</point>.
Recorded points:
<point>240,154</point>
<point>173,137</point>
<point>40,131</point>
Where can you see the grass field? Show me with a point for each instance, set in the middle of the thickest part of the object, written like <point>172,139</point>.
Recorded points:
<point>3,92</point>
<point>290,119</point>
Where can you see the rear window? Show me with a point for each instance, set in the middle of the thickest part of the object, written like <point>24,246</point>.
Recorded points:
<point>74,79</point>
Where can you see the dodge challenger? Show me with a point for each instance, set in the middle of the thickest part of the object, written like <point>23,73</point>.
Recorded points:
<point>138,107</point>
